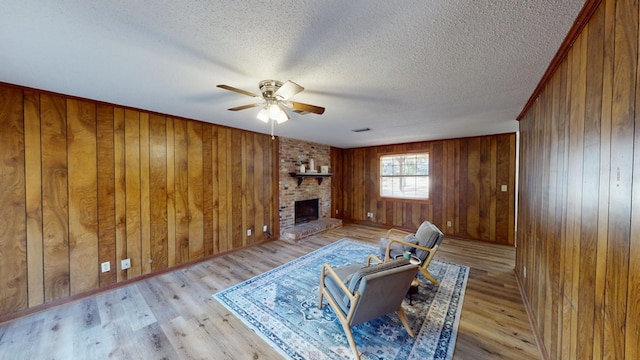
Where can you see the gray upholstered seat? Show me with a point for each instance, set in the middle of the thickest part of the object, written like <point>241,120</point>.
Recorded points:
<point>422,245</point>
<point>359,293</point>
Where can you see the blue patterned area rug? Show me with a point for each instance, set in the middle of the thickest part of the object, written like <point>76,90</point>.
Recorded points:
<point>281,306</point>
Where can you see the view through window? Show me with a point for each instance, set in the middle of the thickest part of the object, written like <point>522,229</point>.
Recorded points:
<point>405,176</point>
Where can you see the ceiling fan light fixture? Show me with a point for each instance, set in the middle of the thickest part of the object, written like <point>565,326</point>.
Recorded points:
<point>275,95</point>
<point>274,110</point>
<point>282,116</point>
<point>263,115</point>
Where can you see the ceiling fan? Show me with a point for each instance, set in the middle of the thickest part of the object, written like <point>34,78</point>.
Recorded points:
<point>274,99</point>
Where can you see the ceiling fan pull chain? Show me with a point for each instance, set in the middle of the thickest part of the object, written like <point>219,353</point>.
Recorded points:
<point>272,121</point>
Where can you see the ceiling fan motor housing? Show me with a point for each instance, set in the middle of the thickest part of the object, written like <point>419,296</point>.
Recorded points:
<point>269,88</point>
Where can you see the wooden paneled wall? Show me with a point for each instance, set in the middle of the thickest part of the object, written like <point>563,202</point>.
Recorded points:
<point>466,177</point>
<point>83,183</point>
<point>578,254</point>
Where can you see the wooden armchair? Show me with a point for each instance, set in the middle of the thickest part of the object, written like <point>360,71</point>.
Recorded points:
<point>422,245</point>
<point>359,293</point>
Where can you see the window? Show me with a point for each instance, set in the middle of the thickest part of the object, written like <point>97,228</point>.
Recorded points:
<point>405,176</point>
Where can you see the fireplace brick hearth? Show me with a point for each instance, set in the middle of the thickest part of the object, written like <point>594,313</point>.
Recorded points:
<point>300,231</point>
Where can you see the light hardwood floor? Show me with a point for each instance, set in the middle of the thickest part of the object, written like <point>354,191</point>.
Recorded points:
<point>173,316</point>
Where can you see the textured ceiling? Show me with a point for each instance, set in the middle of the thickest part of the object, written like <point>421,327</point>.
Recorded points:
<point>408,70</point>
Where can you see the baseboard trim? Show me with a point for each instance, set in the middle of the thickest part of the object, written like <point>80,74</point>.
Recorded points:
<point>532,321</point>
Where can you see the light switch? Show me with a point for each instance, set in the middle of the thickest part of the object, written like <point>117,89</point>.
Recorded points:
<point>504,188</point>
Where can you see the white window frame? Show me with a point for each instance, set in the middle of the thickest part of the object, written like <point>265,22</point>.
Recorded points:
<point>404,176</point>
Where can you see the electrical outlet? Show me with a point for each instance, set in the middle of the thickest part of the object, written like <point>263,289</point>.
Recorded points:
<point>264,228</point>
<point>504,188</point>
<point>106,266</point>
<point>248,232</point>
<point>524,271</point>
<point>125,264</point>
<point>449,223</point>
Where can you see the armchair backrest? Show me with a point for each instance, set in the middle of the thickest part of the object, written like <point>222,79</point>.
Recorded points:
<point>427,235</point>
<point>382,288</point>
<point>359,293</point>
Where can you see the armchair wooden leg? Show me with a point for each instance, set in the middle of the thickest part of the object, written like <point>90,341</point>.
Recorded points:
<point>352,341</point>
<point>320,298</point>
<point>321,288</point>
<point>405,322</point>
<point>430,277</point>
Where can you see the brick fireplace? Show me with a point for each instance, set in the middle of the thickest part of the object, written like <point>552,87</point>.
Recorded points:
<point>293,153</point>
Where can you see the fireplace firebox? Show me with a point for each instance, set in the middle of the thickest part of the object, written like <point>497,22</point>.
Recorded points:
<point>306,210</point>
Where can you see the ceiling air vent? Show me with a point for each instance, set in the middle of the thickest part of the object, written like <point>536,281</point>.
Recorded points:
<point>361,130</point>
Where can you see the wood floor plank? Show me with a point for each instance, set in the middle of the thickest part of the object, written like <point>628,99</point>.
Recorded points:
<point>125,306</point>
<point>173,315</point>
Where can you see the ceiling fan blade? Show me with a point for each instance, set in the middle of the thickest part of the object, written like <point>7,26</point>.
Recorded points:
<point>288,90</point>
<point>248,106</point>
<point>303,108</point>
<point>239,91</point>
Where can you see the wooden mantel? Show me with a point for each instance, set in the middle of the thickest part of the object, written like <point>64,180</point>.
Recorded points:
<point>317,176</point>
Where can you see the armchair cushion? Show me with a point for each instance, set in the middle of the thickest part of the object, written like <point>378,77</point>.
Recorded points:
<point>345,273</point>
<point>412,239</point>
<point>396,248</point>
<point>354,281</point>
<point>427,235</point>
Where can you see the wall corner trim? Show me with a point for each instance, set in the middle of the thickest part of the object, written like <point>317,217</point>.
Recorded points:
<point>589,8</point>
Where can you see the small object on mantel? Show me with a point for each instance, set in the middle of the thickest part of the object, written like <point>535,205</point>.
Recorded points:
<point>316,175</point>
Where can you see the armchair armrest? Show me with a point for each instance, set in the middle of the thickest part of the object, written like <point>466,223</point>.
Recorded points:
<point>394,230</point>
<point>353,298</point>
<point>374,258</point>
<point>328,270</point>
<point>387,255</point>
